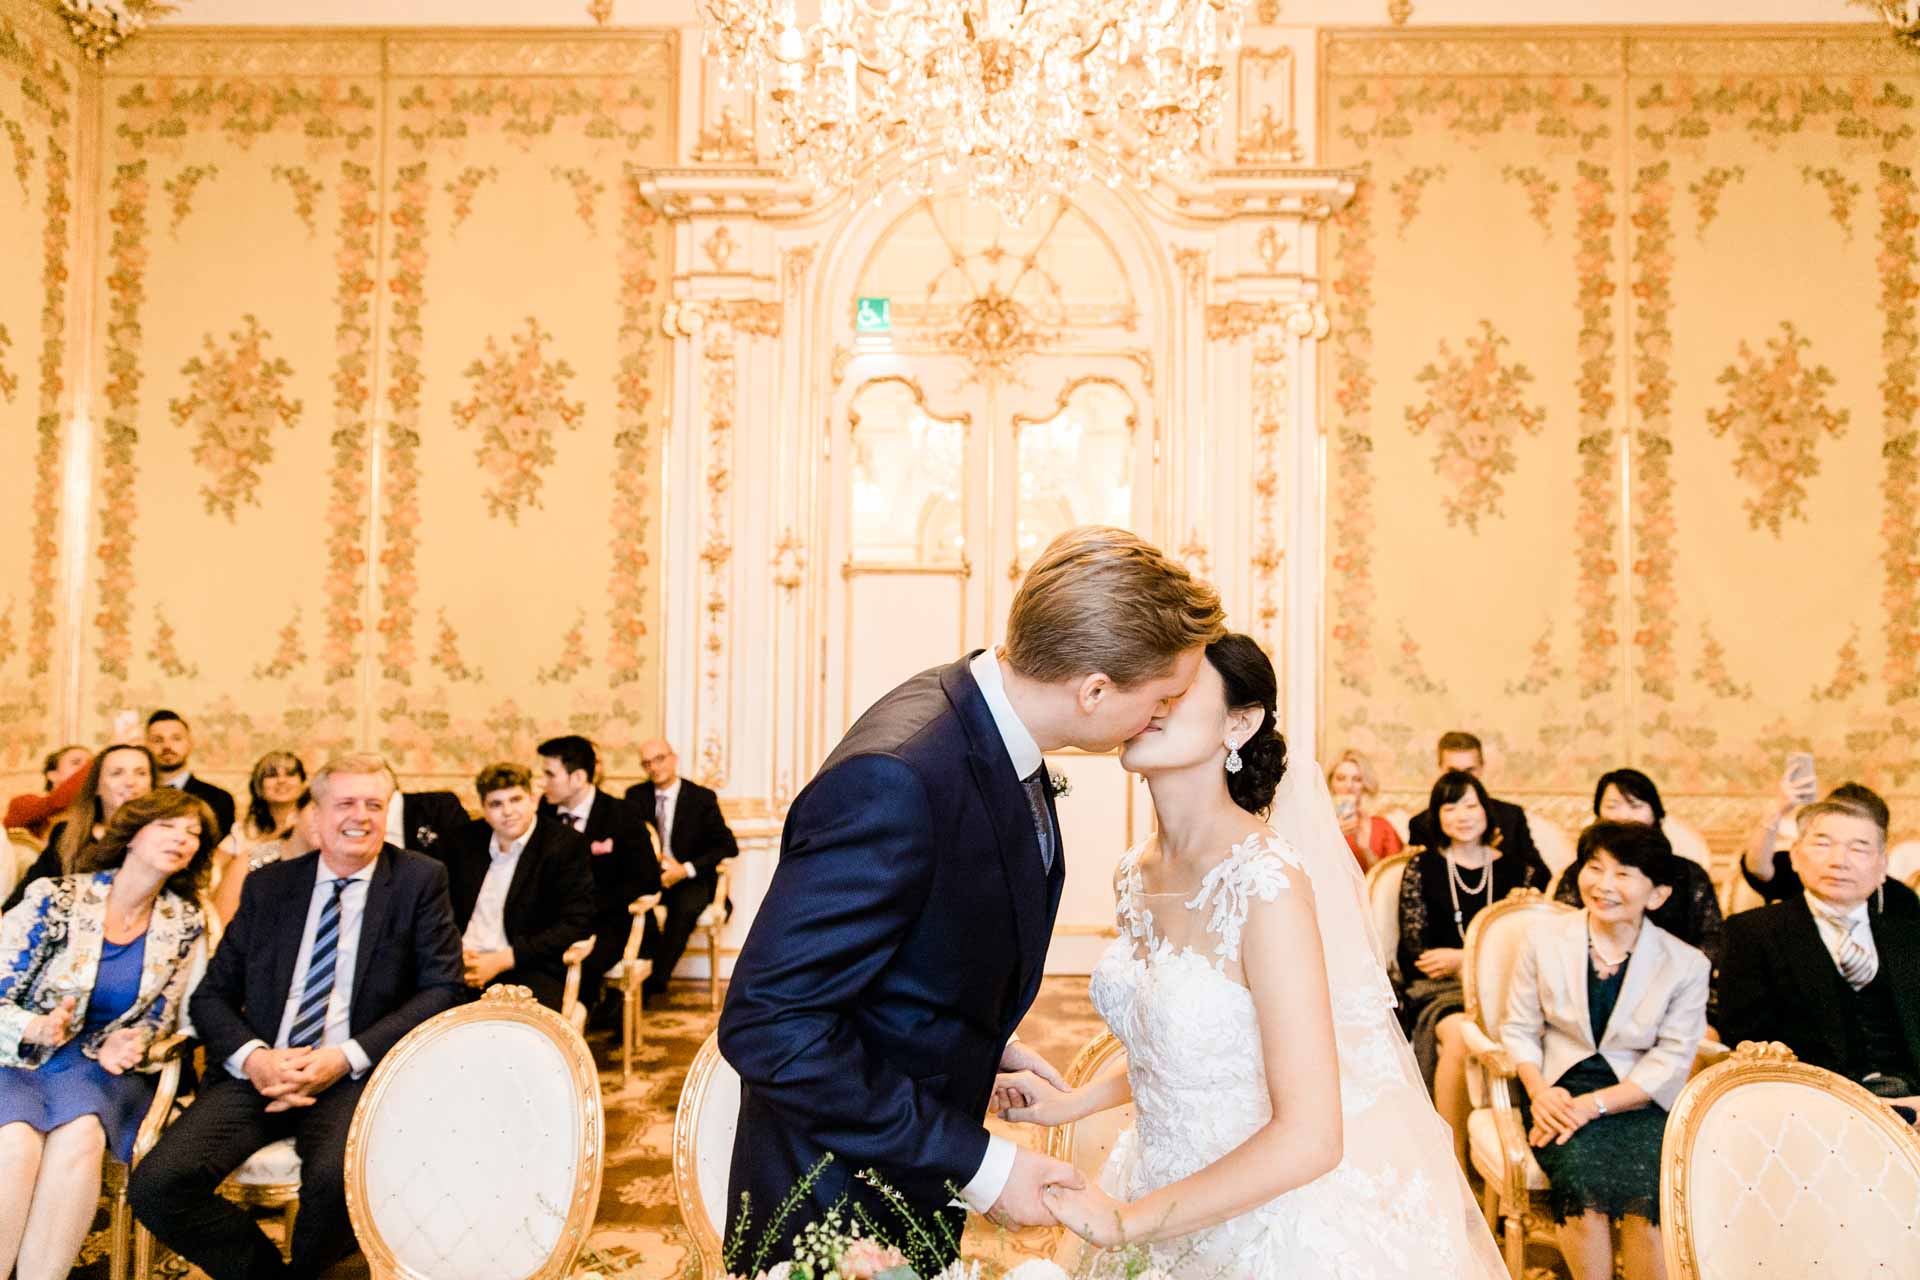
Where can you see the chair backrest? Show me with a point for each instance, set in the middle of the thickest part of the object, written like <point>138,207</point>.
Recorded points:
<point>1738,895</point>
<point>1903,861</point>
<point>1766,1158</point>
<point>1687,842</point>
<point>1383,903</point>
<point>1556,850</point>
<point>476,1150</point>
<point>1493,947</point>
<point>1086,1144</point>
<point>703,1128</point>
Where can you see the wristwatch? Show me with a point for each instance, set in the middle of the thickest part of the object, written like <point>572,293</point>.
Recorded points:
<point>1599,1103</point>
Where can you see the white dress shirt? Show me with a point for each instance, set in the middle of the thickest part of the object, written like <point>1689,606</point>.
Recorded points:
<point>997,1165</point>
<point>176,779</point>
<point>666,804</point>
<point>582,811</point>
<point>487,928</point>
<point>1833,932</point>
<point>338,1029</point>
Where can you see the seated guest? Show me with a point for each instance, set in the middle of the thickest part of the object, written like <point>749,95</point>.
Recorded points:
<point>273,796</point>
<point>329,961</point>
<point>522,893</point>
<point>93,969</point>
<point>1599,1086</point>
<point>619,845</point>
<point>426,821</point>
<point>302,836</point>
<point>1691,912</point>
<point>1834,973</point>
<point>1767,865</point>
<point>1461,751</point>
<point>694,839</point>
<point>116,776</point>
<point>1354,786</point>
<point>63,771</point>
<point>1444,889</point>
<point>172,743</point>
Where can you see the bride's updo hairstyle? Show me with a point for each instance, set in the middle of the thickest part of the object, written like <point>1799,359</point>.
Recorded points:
<point>1248,676</point>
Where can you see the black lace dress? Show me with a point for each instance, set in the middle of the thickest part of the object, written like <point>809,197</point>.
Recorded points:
<point>1611,1165</point>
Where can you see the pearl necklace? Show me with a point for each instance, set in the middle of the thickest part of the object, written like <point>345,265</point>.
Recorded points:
<point>1457,885</point>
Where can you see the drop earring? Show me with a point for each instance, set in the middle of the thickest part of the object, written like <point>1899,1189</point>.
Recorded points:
<point>1233,757</point>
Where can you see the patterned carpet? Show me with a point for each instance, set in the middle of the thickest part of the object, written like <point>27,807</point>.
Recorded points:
<point>638,1231</point>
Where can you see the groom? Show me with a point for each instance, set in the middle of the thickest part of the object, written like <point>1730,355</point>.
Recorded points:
<point>903,936</point>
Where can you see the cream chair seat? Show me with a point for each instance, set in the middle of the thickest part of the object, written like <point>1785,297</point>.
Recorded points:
<point>1383,903</point>
<point>703,1128</point>
<point>1772,1167</point>
<point>477,1148</point>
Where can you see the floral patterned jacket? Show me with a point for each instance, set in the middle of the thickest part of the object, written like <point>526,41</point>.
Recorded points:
<point>50,949</point>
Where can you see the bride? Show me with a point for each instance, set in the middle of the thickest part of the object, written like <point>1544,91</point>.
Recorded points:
<point>1281,1128</point>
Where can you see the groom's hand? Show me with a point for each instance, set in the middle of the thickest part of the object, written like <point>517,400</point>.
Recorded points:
<point>1022,1202</point>
<point>1017,1057</point>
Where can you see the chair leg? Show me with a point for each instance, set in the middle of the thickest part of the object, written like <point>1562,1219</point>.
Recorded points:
<point>629,1019</point>
<point>291,1212</point>
<point>120,1234</point>
<point>142,1252</point>
<point>713,969</point>
<point>1516,1246</point>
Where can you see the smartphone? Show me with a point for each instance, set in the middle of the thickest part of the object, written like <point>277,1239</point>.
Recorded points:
<point>1800,774</point>
<point>1346,807</point>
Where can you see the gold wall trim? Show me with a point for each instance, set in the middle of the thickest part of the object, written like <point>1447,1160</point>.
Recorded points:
<point>1536,52</point>
<point>38,21</point>
<point>1839,49</point>
<point>234,52</point>
<point>1855,51</point>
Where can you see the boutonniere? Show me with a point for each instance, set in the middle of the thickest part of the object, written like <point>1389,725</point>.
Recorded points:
<point>1059,784</point>
<point>425,836</point>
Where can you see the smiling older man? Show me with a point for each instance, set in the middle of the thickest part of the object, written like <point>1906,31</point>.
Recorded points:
<point>329,961</point>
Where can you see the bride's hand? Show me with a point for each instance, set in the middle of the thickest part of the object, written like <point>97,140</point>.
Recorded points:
<point>1021,1097</point>
<point>1089,1213</point>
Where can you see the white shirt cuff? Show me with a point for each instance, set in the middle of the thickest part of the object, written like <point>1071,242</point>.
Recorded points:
<point>692,871</point>
<point>987,1184</point>
<point>237,1064</point>
<point>356,1057</point>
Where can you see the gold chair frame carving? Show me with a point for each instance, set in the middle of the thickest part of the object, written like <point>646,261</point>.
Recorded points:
<point>1753,1062</point>
<point>1094,1057</point>
<point>686,1169</point>
<point>505,1003</point>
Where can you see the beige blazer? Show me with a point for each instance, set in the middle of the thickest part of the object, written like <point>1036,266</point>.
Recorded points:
<point>1656,1026</point>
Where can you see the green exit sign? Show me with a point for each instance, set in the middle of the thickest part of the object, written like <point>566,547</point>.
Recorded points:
<point>873,315</point>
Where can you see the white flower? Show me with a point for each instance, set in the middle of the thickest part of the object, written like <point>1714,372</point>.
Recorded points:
<point>778,1271</point>
<point>958,1270</point>
<point>1062,787</point>
<point>1038,1269</point>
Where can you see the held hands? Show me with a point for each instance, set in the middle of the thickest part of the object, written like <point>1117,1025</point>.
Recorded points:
<point>482,967</point>
<point>1089,1213</point>
<point>294,1077</point>
<point>1023,1201</point>
<point>672,871</point>
<point>53,1028</point>
<point>1558,1115</point>
<point>1440,962</point>
<point>1025,1097</point>
<point>122,1051</point>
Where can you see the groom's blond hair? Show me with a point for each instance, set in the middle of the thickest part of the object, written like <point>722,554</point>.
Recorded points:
<point>1101,599</point>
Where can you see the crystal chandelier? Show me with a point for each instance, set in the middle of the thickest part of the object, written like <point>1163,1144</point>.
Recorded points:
<point>1024,98</point>
<point>1901,16</point>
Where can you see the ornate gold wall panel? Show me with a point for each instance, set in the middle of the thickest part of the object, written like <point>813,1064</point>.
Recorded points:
<point>383,377</point>
<point>40,104</point>
<point>1620,401</point>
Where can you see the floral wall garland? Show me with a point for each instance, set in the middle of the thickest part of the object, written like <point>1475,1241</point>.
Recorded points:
<point>1720,396</point>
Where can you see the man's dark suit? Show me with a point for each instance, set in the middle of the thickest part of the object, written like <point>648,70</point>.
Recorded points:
<point>432,820</point>
<point>406,969</point>
<point>899,945</point>
<point>549,903</point>
<point>1508,821</point>
<point>620,854</point>
<point>702,840</point>
<point>1778,981</point>
<point>218,799</point>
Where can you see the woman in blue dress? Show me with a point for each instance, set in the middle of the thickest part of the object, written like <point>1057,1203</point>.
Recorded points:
<point>94,968</point>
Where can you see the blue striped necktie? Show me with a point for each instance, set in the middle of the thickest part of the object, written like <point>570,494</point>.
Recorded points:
<point>311,1022</point>
<point>1036,788</point>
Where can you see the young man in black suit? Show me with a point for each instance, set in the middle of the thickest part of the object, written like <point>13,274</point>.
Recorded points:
<point>1461,750</point>
<point>694,840</point>
<point>426,821</point>
<point>1833,972</point>
<point>522,892</point>
<point>172,743</point>
<point>329,961</point>
<point>619,849</point>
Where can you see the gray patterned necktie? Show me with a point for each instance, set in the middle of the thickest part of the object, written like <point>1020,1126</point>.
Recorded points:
<point>1036,787</point>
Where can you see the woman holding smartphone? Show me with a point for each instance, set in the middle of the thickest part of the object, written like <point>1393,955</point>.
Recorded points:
<point>1354,785</point>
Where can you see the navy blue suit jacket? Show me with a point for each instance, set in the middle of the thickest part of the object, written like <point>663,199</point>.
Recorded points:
<point>900,943</point>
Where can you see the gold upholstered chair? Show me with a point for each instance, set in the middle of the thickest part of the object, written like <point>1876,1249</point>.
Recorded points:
<point>130,1247</point>
<point>703,1127</point>
<point>712,921</point>
<point>1773,1167</point>
<point>1383,905</point>
<point>477,1148</point>
<point>570,1006</point>
<point>1086,1144</point>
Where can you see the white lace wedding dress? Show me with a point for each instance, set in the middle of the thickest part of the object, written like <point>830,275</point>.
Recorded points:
<point>1396,1207</point>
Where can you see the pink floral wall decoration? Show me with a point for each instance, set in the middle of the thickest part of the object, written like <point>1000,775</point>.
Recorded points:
<point>518,406</point>
<point>1476,408</point>
<point>237,401</point>
<point>1776,414</point>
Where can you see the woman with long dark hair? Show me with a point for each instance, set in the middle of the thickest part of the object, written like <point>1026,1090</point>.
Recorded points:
<point>118,774</point>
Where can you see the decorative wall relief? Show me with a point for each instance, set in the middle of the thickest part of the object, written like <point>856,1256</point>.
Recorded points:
<point>9,382</point>
<point>1476,406</point>
<point>237,399</point>
<point>518,406</point>
<point>1776,413</point>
